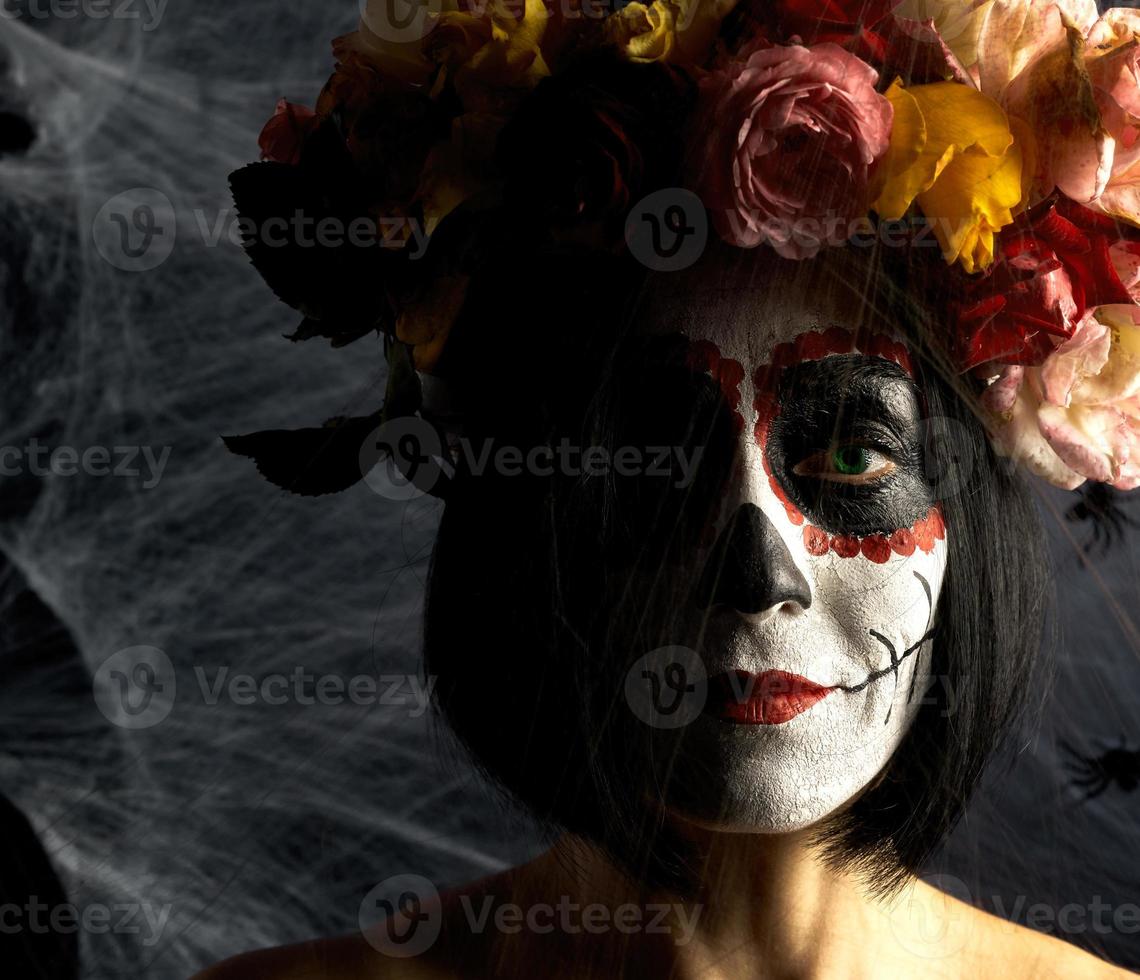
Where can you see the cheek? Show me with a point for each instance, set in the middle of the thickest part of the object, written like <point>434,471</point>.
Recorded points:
<point>896,598</point>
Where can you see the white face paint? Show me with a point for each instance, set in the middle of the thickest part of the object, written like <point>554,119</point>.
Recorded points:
<point>849,608</point>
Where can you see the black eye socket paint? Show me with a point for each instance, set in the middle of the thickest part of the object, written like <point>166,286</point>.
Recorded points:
<point>851,401</point>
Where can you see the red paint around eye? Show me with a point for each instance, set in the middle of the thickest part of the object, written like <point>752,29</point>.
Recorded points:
<point>704,356</point>
<point>816,541</point>
<point>902,542</point>
<point>845,545</point>
<point>878,548</point>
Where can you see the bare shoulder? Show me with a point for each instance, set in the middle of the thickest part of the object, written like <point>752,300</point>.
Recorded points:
<point>1000,946</point>
<point>360,956</point>
<point>345,958</point>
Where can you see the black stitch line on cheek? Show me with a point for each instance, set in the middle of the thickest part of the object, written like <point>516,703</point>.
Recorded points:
<point>929,617</point>
<point>896,660</point>
<point>894,668</point>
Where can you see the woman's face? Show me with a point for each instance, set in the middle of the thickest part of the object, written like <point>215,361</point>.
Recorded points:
<point>812,583</point>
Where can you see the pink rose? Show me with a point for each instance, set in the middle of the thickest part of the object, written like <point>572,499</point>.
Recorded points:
<point>1074,81</point>
<point>1125,258</point>
<point>1100,165</point>
<point>793,135</point>
<point>1107,173</point>
<point>1077,416</point>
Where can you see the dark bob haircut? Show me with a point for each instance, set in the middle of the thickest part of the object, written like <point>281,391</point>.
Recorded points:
<point>530,620</point>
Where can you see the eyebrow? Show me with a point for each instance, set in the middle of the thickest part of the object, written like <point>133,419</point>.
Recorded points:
<point>856,385</point>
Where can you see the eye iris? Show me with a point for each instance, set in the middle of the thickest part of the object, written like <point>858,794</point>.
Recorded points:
<point>851,460</point>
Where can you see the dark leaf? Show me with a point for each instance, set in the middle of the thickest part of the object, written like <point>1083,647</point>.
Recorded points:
<point>281,208</point>
<point>330,330</point>
<point>309,462</point>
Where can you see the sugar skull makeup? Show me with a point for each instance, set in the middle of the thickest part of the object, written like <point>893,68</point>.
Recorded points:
<point>816,570</point>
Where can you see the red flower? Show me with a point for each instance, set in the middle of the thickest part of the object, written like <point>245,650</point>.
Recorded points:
<point>854,24</point>
<point>1052,267</point>
<point>282,137</point>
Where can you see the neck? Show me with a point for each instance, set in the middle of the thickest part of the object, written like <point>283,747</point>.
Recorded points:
<point>762,906</point>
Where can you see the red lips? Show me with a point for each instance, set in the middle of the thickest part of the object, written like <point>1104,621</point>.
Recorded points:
<point>770,698</point>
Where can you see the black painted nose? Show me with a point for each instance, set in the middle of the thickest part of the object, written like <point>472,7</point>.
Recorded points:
<point>750,567</point>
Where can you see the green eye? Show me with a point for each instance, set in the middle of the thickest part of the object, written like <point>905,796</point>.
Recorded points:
<point>851,460</point>
<point>846,464</point>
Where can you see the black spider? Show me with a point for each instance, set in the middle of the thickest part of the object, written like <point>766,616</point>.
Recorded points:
<point>1102,507</point>
<point>1094,774</point>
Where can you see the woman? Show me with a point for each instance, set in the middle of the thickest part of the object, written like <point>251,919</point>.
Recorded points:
<point>745,598</point>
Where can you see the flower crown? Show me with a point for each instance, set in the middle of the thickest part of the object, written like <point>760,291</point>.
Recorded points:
<point>1006,130</point>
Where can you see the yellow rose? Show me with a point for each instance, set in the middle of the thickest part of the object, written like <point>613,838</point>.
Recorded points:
<point>952,152</point>
<point>644,33</point>
<point>667,30</point>
<point>493,56</point>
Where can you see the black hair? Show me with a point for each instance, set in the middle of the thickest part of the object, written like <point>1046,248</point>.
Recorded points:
<point>530,621</point>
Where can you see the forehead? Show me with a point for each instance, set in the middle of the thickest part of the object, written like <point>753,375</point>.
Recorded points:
<point>747,302</point>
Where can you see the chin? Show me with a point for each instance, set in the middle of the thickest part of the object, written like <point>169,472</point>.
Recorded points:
<point>766,784</point>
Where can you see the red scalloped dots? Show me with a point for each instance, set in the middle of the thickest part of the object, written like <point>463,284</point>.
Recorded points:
<point>925,534</point>
<point>813,345</point>
<point>705,356</point>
